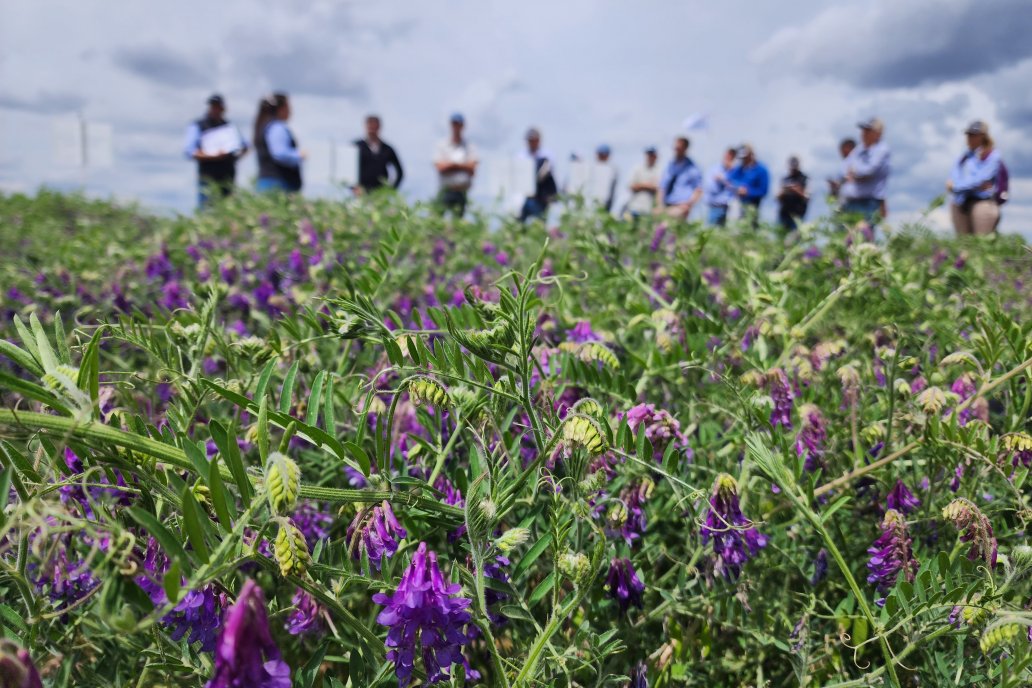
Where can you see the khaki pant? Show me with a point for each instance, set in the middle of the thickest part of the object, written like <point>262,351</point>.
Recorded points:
<point>981,219</point>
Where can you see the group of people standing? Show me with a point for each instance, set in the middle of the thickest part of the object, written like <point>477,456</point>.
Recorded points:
<point>978,183</point>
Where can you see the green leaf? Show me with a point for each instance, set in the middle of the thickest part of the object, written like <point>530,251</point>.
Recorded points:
<point>46,352</point>
<point>12,619</point>
<point>21,357</point>
<point>263,430</point>
<point>542,589</point>
<point>89,370</point>
<point>528,559</point>
<point>199,460</point>
<point>287,392</point>
<point>307,674</point>
<point>172,581</point>
<point>230,453</point>
<point>360,455</point>
<point>168,542</point>
<point>64,353</point>
<point>225,508</point>
<point>263,381</point>
<point>315,399</point>
<point>193,524</point>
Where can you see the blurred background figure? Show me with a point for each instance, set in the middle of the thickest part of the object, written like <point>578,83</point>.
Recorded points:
<point>279,159</point>
<point>751,181</point>
<point>644,185</point>
<point>973,183</point>
<point>845,147</point>
<point>602,154</point>
<point>681,184</point>
<point>376,160</point>
<point>719,192</point>
<point>867,173</point>
<point>545,188</point>
<point>216,145</point>
<point>456,163</point>
<point>792,197</point>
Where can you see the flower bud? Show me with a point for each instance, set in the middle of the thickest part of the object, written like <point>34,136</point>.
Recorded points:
<point>16,667</point>
<point>575,566</point>
<point>291,550</point>
<point>511,539</point>
<point>426,390</point>
<point>932,400</point>
<point>283,482</point>
<point>999,635</point>
<point>584,432</point>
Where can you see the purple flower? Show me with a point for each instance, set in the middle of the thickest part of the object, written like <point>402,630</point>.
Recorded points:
<point>902,499</point>
<point>661,429</point>
<point>495,570</point>
<point>582,332</point>
<point>820,567</point>
<point>173,296</point>
<point>246,655</point>
<point>639,676</point>
<point>657,237</point>
<point>425,615</point>
<point>781,392</point>
<point>735,539</point>
<point>633,500</point>
<point>312,522</point>
<point>891,554</point>
<point>623,584</point>
<point>811,438</point>
<point>16,667</point>
<point>376,533</point>
<point>307,614</point>
<point>965,516</point>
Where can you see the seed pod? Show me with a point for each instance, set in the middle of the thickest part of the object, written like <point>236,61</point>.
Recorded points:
<point>999,635</point>
<point>283,482</point>
<point>582,431</point>
<point>426,390</point>
<point>291,550</point>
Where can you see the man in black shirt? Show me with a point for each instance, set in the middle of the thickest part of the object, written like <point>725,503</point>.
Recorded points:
<point>792,198</point>
<point>215,145</point>
<point>374,158</point>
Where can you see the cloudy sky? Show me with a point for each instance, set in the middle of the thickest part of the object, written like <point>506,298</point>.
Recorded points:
<point>791,78</point>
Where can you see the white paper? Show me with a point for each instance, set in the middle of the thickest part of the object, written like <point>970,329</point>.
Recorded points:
<point>68,142</point>
<point>600,183</point>
<point>100,145</point>
<point>579,176</point>
<point>221,140</point>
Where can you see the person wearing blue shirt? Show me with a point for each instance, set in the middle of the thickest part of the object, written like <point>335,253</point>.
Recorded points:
<point>972,183</point>
<point>279,160</point>
<point>751,181</point>
<point>680,187</point>
<point>718,191</point>
<point>867,173</point>
<point>216,168</point>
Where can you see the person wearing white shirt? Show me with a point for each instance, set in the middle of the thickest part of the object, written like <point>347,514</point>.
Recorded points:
<point>867,172</point>
<point>644,185</point>
<point>456,163</point>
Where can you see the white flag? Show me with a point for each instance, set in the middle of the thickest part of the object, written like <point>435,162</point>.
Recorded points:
<point>697,122</point>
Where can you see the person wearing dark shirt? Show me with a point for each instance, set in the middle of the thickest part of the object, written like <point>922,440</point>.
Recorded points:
<point>216,169</point>
<point>545,188</point>
<point>792,198</point>
<point>375,158</point>
<point>279,159</point>
<point>751,181</point>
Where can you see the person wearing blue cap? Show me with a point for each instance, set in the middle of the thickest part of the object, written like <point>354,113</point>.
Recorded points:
<point>602,154</point>
<point>456,163</point>
<point>215,145</point>
<point>867,173</point>
<point>644,185</point>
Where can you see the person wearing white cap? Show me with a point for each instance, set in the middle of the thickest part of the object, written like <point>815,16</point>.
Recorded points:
<point>973,184</point>
<point>456,163</point>
<point>867,172</point>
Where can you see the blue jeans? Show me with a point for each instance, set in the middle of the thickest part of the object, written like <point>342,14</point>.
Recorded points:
<point>270,185</point>
<point>867,207</point>
<point>718,215</point>
<point>533,208</point>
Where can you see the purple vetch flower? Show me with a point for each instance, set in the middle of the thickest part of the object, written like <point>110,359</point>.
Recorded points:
<point>632,503</point>
<point>377,533</point>
<point>246,655</point>
<point>661,429</point>
<point>735,539</point>
<point>902,499</point>
<point>173,296</point>
<point>624,585</point>
<point>891,554</point>
<point>964,387</point>
<point>849,377</point>
<point>820,567</point>
<point>780,390</point>
<point>312,521</point>
<point>812,435</point>
<point>452,497</point>
<point>425,615</point>
<point>639,676</point>
<point>582,332</point>
<point>16,667</point>
<point>355,477</point>
<point>495,570</point>
<point>76,492</point>
<point>307,615</point>
<point>1019,444</point>
<point>977,529</point>
<point>65,577</point>
<point>657,237</point>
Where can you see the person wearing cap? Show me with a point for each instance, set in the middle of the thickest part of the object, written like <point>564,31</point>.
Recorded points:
<point>681,183</point>
<point>972,183</point>
<point>793,198</point>
<point>376,160</point>
<point>545,187</point>
<point>216,168</point>
<point>456,163</point>
<point>867,173</point>
<point>644,185</point>
<point>602,154</point>
<point>751,181</point>
<point>719,192</point>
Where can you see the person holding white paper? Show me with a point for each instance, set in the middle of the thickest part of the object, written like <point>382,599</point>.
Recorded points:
<point>216,145</point>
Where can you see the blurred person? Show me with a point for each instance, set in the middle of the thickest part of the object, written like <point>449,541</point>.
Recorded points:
<point>751,181</point>
<point>974,207</point>
<point>845,147</point>
<point>793,199</point>
<point>644,185</point>
<point>376,158</point>
<point>545,188</point>
<point>216,169</point>
<point>602,154</point>
<point>456,163</point>
<point>867,173</point>
<point>279,160</point>
<point>681,183</point>
<point>719,192</point>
